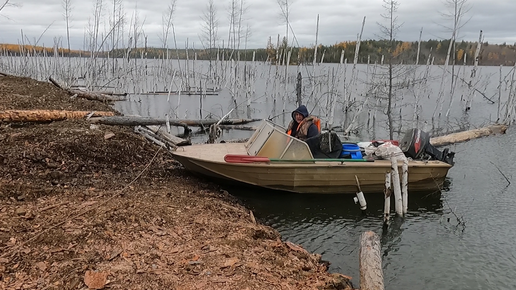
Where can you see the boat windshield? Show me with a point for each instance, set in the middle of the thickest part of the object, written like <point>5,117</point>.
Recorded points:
<point>270,140</point>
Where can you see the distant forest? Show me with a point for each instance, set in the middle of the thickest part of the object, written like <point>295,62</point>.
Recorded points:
<point>371,51</point>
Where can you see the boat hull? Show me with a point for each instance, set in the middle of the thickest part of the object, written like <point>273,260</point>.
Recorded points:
<point>318,177</point>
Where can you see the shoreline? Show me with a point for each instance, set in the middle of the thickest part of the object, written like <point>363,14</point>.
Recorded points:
<point>100,206</point>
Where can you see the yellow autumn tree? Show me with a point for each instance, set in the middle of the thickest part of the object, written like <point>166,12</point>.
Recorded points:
<point>493,56</point>
<point>401,47</point>
<point>460,54</point>
<point>271,51</point>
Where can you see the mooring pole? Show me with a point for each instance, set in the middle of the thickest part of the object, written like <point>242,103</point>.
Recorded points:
<point>388,192</point>
<point>398,202</point>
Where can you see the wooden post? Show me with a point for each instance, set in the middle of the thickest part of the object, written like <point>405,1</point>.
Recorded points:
<point>388,192</point>
<point>398,202</point>
<point>371,273</point>
<point>404,185</point>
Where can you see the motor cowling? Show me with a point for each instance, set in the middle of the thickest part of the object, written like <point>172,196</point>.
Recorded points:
<point>416,145</point>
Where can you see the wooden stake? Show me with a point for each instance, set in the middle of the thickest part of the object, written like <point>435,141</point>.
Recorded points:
<point>398,202</point>
<point>388,192</point>
<point>404,185</point>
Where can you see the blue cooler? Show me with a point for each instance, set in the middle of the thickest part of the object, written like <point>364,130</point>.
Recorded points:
<point>351,150</point>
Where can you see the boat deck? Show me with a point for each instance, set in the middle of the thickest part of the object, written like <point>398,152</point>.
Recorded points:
<point>216,153</point>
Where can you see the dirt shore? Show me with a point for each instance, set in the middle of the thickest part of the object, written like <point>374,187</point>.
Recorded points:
<point>93,206</point>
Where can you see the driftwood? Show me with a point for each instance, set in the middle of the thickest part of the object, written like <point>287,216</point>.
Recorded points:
<point>185,93</point>
<point>110,93</point>
<point>160,137</point>
<point>46,115</point>
<point>371,273</point>
<point>241,140</point>
<point>238,127</point>
<point>149,135</point>
<point>162,133</point>
<point>192,92</point>
<point>468,135</point>
<point>145,121</point>
<point>95,96</point>
<point>88,95</point>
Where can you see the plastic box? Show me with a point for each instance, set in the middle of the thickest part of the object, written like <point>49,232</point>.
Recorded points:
<point>351,150</point>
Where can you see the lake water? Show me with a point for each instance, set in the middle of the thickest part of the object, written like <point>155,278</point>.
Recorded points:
<point>461,238</point>
<point>429,248</point>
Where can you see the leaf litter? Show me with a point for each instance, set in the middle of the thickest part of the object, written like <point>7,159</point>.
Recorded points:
<point>99,207</point>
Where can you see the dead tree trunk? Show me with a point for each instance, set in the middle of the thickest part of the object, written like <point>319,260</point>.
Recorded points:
<point>371,273</point>
<point>46,115</point>
<point>88,95</point>
<point>468,135</point>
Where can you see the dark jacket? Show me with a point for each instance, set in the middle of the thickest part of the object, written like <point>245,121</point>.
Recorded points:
<point>307,128</point>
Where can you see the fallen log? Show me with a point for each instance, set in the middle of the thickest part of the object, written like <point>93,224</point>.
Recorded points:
<point>238,127</point>
<point>162,133</point>
<point>95,96</point>
<point>241,140</point>
<point>468,135</point>
<point>371,273</point>
<point>110,93</point>
<point>149,135</point>
<point>88,95</point>
<point>187,93</point>
<point>146,121</point>
<point>46,115</point>
<point>136,121</point>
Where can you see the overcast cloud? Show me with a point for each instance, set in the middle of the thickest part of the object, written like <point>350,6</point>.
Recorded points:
<point>340,20</point>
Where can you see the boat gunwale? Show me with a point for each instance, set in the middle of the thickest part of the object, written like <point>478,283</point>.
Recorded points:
<point>325,164</point>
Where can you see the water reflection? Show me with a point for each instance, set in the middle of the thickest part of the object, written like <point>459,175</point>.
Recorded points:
<point>331,225</point>
<point>294,207</point>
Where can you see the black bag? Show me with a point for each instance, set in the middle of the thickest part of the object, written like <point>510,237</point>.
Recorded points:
<point>325,145</point>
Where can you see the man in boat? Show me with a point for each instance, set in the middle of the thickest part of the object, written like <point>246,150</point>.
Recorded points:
<point>303,125</point>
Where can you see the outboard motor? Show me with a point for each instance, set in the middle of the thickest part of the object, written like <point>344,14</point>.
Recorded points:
<point>416,145</point>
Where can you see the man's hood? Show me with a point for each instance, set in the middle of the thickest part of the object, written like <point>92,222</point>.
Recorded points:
<point>301,110</point>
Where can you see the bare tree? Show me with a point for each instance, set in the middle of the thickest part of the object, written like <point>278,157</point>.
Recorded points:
<point>166,20</point>
<point>233,16</point>
<point>458,9</point>
<point>117,20</point>
<point>241,35</point>
<point>209,32</point>
<point>456,12</point>
<point>389,31</point>
<point>6,4</point>
<point>236,18</point>
<point>67,6</point>
<point>210,25</point>
<point>285,13</point>
<point>67,15</point>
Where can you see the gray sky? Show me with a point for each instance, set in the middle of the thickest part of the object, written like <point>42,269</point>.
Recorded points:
<point>340,20</point>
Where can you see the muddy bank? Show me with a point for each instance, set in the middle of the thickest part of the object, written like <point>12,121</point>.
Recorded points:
<point>98,206</point>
